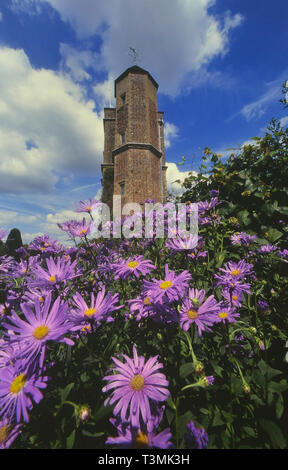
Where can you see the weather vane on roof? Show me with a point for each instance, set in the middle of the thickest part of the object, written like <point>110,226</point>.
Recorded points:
<point>134,54</point>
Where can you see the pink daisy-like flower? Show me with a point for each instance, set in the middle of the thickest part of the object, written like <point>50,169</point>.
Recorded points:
<point>135,383</point>
<point>169,289</point>
<point>133,266</point>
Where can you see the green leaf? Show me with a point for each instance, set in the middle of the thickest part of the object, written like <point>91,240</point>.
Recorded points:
<point>279,406</point>
<point>249,431</point>
<point>171,403</point>
<point>65,392</point>
<point>71,439</point>
<point>92,434</point>
<point>186,369</point>
<point>272,429</point>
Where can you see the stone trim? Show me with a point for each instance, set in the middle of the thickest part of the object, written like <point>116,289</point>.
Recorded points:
<point>137,145</point>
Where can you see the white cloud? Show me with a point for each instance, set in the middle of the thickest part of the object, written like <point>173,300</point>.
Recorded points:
<point>104,93</point>
<point>174,174</point>
<point>1,16</point>
<point>284,121</point>
<point>257,108</point>
<point>47,126</point>
<point>173,41</point>
<point>13,218</point>
<point>171,132</point>
<point>76,62</point>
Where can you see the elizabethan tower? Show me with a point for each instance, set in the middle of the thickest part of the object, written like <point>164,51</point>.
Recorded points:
<point>134,154</point>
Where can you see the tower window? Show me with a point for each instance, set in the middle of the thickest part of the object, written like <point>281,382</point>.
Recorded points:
<point>122,188</point>
<point>123,98</point>
<point>122,138</point>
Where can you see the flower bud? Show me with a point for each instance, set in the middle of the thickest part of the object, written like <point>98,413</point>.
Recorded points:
<point>84,413</point>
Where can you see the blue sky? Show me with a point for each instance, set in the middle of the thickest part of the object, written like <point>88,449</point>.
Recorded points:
<point>220,65</point>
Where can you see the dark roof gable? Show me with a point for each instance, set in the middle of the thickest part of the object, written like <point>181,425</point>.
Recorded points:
<point>134,69</point>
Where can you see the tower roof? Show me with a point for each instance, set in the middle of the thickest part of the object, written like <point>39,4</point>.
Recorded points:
<point>135,69</point>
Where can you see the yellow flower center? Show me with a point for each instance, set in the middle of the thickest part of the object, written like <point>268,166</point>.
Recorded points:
<point>132,264</point>
<point>89,312</point>
<point>223,315</point>
<point>41,299</point>
<point>40,332</point>
<point>3,311</point>
<point>4,433</point>
<point>234,297</point>
<point>86,328</point>
<point>83,231</point>
<point>192,314</point>
<point>165,285</point>
<point>235,272</point>
<point>52,278</point>
<point>89,208</point>
<point>141,441</point>
<point>137,383</point>
<point>147,301</point>
<point>18,383</point>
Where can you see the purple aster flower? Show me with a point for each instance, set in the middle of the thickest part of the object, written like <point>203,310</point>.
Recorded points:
<point>263,306</point>
<point>226,314</point>
<point>284,255</point>
<point>267,249</point>
<point>130,437</point>
<point>238,270</point>
<point>7,264</point>
<point>45,244</point>
<point>133,266</point>
<point>18,387</point>
<point>46,323</point>
<point>135,383</point>
<point>232,297</point>
<point>88,205</point>
<point>242,238</point>
<point>171,288</point>
<point>180,243</point>
<point>80,229</point>
<point>195,309</point>
<point>25,266</point>
<point>58,271</point>
<point>97,310</point>
<point>207,205</point>
<point>196,438</point>
<point>3,233</point>
<point>8,433</point>
<point>36,293</point>
<point>68,225</point>
<point>144,307</point>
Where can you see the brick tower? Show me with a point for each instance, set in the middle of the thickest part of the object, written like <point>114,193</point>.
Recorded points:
<point>134,153</point>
